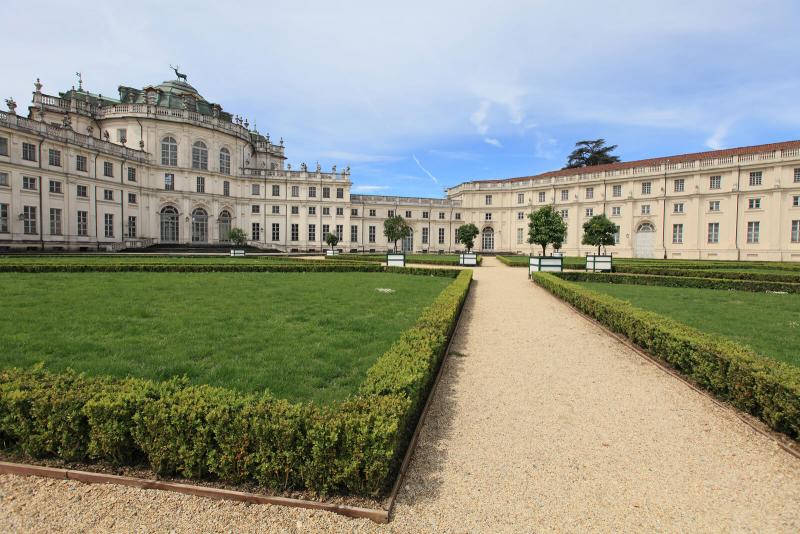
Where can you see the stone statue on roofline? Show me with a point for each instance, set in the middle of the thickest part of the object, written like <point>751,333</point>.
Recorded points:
<point>12,105</point>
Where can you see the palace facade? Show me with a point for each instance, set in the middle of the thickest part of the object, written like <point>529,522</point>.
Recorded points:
<point>163,165</point>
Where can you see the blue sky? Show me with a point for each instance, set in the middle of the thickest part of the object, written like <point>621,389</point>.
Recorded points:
<point>417,96</point>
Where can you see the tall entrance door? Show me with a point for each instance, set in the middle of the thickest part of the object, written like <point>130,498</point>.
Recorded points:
<point>488,239</point>
<point>408,243</point>
<point>645,241</point>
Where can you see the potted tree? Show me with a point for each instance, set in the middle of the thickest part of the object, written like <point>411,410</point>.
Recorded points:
<point>238,238</point>
<point>466,234</point>
<point>546,227</point>
<point>396,228</point>
<point>599,232</point>
<point>332,240</point>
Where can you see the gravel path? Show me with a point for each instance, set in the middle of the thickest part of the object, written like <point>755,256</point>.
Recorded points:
<point>542,423</point>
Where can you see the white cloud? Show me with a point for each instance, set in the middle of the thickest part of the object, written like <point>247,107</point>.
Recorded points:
<point>544,146</point>
<point>366,188</point>
<point>426,171</point>
<point>492,141</point>
<point>717,139</point>
<point>479,116</point>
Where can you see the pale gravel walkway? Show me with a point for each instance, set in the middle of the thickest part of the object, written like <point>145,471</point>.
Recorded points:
<point>542,423</point>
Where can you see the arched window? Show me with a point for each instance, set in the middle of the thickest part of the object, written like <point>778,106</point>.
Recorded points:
<point>488,238</point>
<point>199,155</point>
<point>224,161</point>
<point>224,222</point>
<point>199,226</point>
<point>646,227</point>
<point>169,152</point>
<point>169,225</point>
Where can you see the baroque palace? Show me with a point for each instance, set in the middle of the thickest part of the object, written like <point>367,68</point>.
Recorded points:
<point>163,165</point>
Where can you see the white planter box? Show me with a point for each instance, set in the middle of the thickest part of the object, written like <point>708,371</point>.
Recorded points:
<point>545,264</point>
<point>237,252</point>
<point>598,264</point>
<point>396,260</point>
<point>558,254</point>
<point>468,258</point>
<point>332,252</point>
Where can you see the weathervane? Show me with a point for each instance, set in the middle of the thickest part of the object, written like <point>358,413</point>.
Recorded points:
<point>80,81</point>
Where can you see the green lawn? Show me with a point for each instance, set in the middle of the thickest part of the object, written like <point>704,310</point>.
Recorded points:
<point>768,323</point>
<point>90,259</point>
<point>303,336</point>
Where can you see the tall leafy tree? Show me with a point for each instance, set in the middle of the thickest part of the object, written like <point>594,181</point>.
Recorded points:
<point>599,232</point>
<point>589,153</point>
<point>237,236</point>
<point>466,234</point>
<point>396,228</point>
<point>546,227</point>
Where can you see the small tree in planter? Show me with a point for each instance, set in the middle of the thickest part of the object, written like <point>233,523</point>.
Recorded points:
<point>237,237</point>
<point>331,239</point>
<point>466,234</point>
<point>546,227</point>
<point>396,228</point>
<point>599,232</point>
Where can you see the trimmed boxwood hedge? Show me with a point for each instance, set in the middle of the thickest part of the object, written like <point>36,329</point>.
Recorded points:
<point>777,276</point>
<point>760,386</point>
<point>682,281</point>
<point>424,259</point>
<point>354,446</point>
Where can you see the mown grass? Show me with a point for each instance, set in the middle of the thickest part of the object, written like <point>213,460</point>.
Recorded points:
<point>303,336</point>
<point>151,259</point>
<point>768,323</point>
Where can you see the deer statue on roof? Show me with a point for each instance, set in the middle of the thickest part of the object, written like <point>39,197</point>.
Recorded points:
<point>178,74</point>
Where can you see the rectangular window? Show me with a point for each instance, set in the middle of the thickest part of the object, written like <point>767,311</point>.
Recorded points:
<point>201,184</point>
<point>326,229</point>
<point>83,223</point>
<point>677,207</point>
<point>295,232</point>
<point>645,209</point>
<point>276,210</point>
<point>755,178</point>
<point>753,231</point>
<point>4,178</point>
<point>796,201</point>
<point>131,174</point>
<point>424,236</point>
<point>564,214</point>
<point>131,226</point>
<point>295,210</point>
<point>54,157</point>
<point>339,192</point>
<point>55,186</point>
<point>255,189</point>
<point>488,200</point>
<point>715,182</point>
<point>408,214</point>
<point>372,231</point>
<point>312,232</point>
<point>255,231</point>
<point>81,163</point>
<point>589,192</point>
<point>677,233</point>
<point>108,224</point>
<point>795,231</point>
<point>458,216</point>
<point>55,221</point>
<point>520,215</point>
<point>441,236</point>
<point>520,235</point>
<point>276,231</point>
<point>678,185</point>
<point>312,210</point>
<point>29,220</point>
<point>326,192</point>
<point>391,213</point>
<point>295,191</point>
<point>354,233</point>
<point>565,194</point>
<point>441,215</point>
<point>616,191</point>
<point>487,217</point>
<point>4,218</point>
<point>312,192</point>
<point>226,188</point>
<point>372,213</point>
<point>326,210</point>
<point>616,211</point>
<point>108,194</point>
<point>255,208</point>
<point>29,182</point>
<point>340,231</point>
<point>589,212</point>
<point>713,232</point>
<point>108,169</point>
<point>131,198</point>
<point>542,196</point>
<point>82,191</point>
<point>3,146</point>
<point>276,190</point>
<point>28,152</point>
<point>646,188</point>
<point>424,214</point>
<point>339,212</point>
<point>122,135</point>
<point>354,212</point>
<point>713,205</point>
<point>169,182</point>
<point>797,176</point>
<point>520,198</point>
<point>754,203</point>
